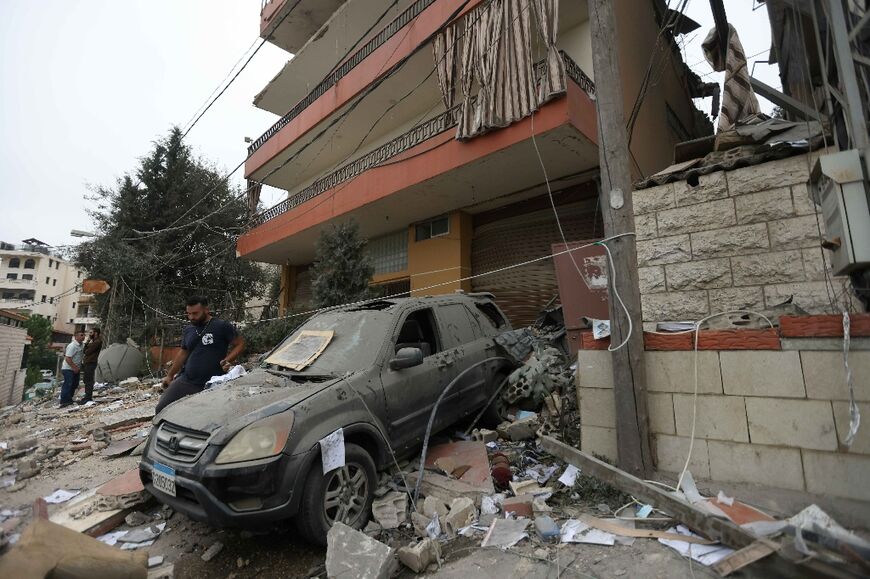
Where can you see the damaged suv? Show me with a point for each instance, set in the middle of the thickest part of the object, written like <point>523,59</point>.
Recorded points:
<point>249,452</point>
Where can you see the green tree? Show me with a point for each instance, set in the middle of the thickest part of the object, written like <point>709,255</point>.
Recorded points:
<point>39,355</point>
<point>342,270</point>
<point>164,232</point>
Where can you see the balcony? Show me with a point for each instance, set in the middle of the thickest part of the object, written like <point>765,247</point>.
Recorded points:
<point>383,188</point>
<point>16,284</point>
<point>290,23</point>
<point>86,321</point>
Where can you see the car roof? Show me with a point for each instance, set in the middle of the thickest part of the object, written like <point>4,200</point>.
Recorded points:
<point>401,304</point>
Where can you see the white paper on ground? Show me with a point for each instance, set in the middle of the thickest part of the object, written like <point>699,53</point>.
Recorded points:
<point>488,506</point>
<point>433,529</point>
<point>600,329</point>
<point>61,496</point>
<point>505,533</point>
<point>111,538</point>
<point>704,554</point>
<point>332,451</point>
<point>574,531</point>
<point>235,372</point>
<point>131,546</point>
<point>569,477</point>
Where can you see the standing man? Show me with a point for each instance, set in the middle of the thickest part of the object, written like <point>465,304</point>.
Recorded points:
<point>92,355</point>
<point>72,365</point>
<point>203,353</point>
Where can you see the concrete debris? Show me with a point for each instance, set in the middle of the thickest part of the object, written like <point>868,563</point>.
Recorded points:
<point>419,556</point>
<point>419,522</point>
<point>434,506</point>
<point>520,429</point>
<point>155,561</point>
<point>137,519</point>
<point>484,435</point>
<point>461,514</point>
<point>391,510</point>
<point>142,534</point>
<point>541,374</point>
<point>166,571</point>
<point>212,551</point>
<point>28,469</point>
<point>520,506</point>
<point>351,554</point>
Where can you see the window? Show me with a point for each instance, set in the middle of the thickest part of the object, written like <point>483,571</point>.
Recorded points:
<point>11,276</point>
<point>44,297</point>
<point>48,280</point>
<point>8,295</point>
<point>73,305</point>
<point>50,262</point>
<point>54,281</point>
<point>456,324</point>
<point>57,265</point>
<point>418,331</point>
<point>51,301</point>
<point>492,314</point>
<point>389,253</point>
<point>78,274</point>
<point>27,276</point>
<point>14,262</point>
<point>432,228</point>
<point>30,264</point>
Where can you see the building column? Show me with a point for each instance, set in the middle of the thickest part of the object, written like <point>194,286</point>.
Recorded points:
<point>288,289</point>
<point>441,260</point>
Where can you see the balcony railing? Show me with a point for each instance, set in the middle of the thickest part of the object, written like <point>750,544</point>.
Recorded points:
<point>332,79</point>
<point>18,283</point>
<point>423,132</point>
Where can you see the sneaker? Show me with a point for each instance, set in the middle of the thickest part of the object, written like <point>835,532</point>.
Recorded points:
<point>65,404</point>
<point>83,401</point>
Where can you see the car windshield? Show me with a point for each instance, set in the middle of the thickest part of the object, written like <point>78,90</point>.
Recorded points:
<point>355,344</point>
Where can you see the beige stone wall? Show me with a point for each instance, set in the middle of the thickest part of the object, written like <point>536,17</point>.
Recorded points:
<point>12,341</point>
<point>776,418</point>
<point>743,239</point>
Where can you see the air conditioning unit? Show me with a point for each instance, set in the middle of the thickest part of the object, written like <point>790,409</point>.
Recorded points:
<point>839,186</point>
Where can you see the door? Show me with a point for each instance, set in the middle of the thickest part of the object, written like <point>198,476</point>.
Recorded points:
<point>411,393</point>
<point>464,340</point>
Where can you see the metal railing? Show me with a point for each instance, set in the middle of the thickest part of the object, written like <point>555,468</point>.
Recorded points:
<point>420,133</point>
<point>341,71</point>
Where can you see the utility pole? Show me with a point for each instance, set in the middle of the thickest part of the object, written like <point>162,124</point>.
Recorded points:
<point>629,376</point>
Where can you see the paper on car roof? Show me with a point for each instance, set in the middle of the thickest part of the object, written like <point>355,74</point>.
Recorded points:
<point>303,350</point>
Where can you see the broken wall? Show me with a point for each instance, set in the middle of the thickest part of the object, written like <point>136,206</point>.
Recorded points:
<point>12,341</point>
<point>742,239</point>
<point>772,417</point>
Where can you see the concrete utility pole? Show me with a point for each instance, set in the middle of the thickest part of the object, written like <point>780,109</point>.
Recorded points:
<point>629,379</point>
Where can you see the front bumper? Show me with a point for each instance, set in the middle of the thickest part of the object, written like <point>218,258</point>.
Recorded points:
<point>262,491</point>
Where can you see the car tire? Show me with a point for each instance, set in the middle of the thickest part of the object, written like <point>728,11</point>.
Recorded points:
<point>352,487</point>
<point>495,413</point>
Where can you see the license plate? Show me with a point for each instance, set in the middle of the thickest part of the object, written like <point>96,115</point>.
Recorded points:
<point>164,478</point>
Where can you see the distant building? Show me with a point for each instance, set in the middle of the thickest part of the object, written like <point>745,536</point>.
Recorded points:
<point>36,280</point>
<point>13,340</point>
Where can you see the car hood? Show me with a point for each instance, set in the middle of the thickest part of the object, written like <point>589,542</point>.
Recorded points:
<point>225,410</point>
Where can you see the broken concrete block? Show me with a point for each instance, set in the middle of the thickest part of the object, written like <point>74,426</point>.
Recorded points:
<point>351,554</point>
<point>540,506</point>
<point>484,435</point>
<point>391,510</point>
<point>137,518</point>
<point>420,522</point>
<point>212,551</point>
<point>27,469</point>
<point>525,487</point>
<point>462,513</point>
<point>447,489</point>
<point>522,429</point>
<point>418,557</point>
<point>434,506</point>
<point>155,561</point>
<point>520,506</point>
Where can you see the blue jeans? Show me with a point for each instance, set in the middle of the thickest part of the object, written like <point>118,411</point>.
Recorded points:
<point>70,385</point>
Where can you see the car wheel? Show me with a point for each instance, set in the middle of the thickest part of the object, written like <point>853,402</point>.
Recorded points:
<point>495,413</point>
<point>343,495</point>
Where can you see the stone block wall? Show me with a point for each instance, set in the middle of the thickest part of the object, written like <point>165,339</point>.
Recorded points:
<point>776,418</point>
<point>742,239</point>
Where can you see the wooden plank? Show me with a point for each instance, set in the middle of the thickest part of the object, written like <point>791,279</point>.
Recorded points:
<point>743,557</point>
<point>700,521</point>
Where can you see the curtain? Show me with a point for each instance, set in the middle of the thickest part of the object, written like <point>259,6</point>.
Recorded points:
<point>444,48</point>
<point>739,101</point>
<point>466,73</point>
<point>553,81</point>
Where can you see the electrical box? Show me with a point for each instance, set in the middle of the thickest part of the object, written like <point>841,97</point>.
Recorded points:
<point>839,186</point>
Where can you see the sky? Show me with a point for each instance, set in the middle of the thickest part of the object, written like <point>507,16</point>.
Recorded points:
<point>87,86</point>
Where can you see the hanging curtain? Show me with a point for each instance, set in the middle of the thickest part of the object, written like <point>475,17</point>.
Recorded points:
<point>739,101</point>
<point>466,72</point>
<point>553,81</point>
<point>253,196</point>
<point>444,48</point>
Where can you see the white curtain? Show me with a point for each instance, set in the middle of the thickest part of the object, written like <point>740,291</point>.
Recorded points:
<point>553,81</point>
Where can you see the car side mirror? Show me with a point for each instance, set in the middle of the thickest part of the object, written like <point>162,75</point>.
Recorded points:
<point>406,358</point>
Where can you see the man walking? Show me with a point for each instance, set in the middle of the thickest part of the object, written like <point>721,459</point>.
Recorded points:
<point>72,365</point>
<point>92,349</point>
<point>203,353</point>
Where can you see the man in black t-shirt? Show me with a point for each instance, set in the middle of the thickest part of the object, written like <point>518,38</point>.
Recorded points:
<point>203,353</point>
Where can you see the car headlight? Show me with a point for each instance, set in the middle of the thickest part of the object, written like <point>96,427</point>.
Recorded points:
<point>261,439</point>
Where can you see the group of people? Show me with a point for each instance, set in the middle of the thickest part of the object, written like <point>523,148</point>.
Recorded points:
<point>209,347</point>
<point>80,358</point>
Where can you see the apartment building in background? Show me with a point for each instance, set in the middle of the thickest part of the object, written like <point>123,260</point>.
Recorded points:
<point>439,126</point>
<point>36,279</point>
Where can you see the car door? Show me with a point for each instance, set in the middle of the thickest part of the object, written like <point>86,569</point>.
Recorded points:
<point>411,393</point>
<point>468,347</point>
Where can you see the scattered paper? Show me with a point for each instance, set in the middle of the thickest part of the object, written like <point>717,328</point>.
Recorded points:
<point>492,445</point>
<point>433,529</point>
<point>332,451</point>
<point>569,477</point>
<point>541,473</point>
<point>505,533</point>
<point>574,531</point>
<point>725,499</point>
<point>132,546</point>
<point>644,511</point>
<point>61,496</point>
<point>111,538</point>
<point>600,329</point>
<point>704,554</point>
<point>235,372</point>
<point>488,506</point>
<point>143,534</point>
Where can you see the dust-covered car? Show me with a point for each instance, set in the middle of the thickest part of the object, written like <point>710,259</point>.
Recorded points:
<point>249,451</point>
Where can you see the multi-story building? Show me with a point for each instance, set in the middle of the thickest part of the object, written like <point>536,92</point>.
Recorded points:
<point>36,279</point>
<point>440,125</point>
